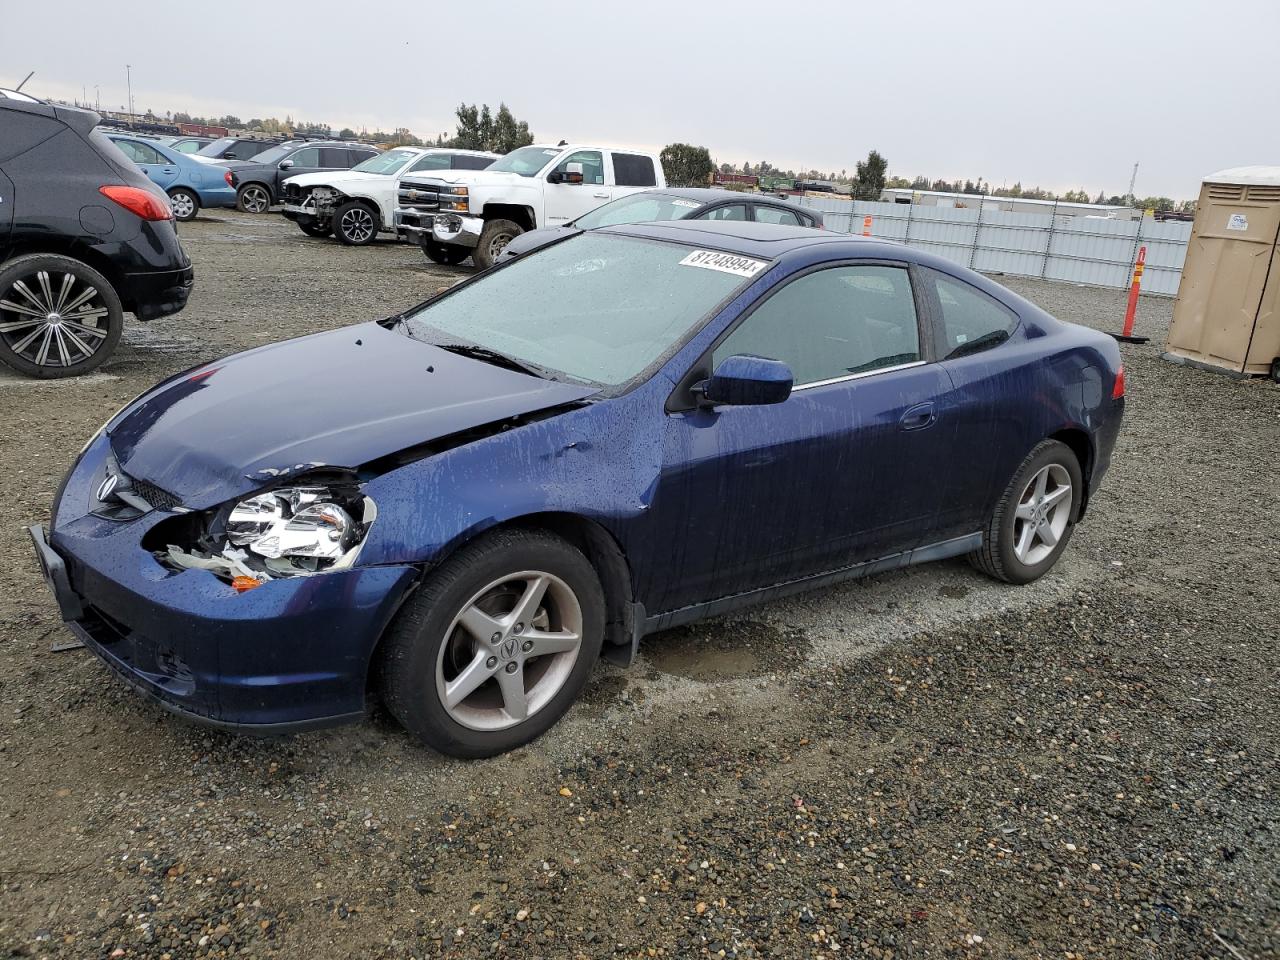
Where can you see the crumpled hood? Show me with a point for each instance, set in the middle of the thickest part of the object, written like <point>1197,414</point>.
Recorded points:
<point>337,178</point>
<point>340,398</point>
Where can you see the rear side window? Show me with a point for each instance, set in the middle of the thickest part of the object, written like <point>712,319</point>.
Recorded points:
<point>334,157</point>
<point>633,170</point>
<point>970,320</point>
<point>777,215</point>
<point>139,152</point>
<point>734,211</point>
<point>359,156</point>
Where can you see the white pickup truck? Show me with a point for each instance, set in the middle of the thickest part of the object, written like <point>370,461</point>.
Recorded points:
<point>354,205</point>
<point>454,214</point>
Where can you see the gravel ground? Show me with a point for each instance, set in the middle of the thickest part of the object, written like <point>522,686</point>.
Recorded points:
<point>924,764</point>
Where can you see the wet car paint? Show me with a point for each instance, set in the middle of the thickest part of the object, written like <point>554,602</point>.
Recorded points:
<point>707,507</point>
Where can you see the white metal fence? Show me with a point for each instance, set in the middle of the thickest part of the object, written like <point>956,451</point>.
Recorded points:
<point>1074,249</point>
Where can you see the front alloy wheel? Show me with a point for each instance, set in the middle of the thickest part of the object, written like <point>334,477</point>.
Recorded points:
<point>58,317</point>
<point>495,645</point>
<point>354,224</point>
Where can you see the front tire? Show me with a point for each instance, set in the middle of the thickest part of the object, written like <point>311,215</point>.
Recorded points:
<point>184,204</point>
<point>1034,518</point>
<point>354,224</point>
<point>493,240</point>
<point>445,254</point>
<point>58,316</point>
<point>314,228</point>
<point>253,198</point>
<point>496,645</point>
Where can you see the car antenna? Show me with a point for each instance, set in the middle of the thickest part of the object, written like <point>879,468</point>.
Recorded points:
<point>563,143</point>
<point>24,81</point>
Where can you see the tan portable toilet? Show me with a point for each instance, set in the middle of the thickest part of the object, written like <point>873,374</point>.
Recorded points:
<point>1227,316</point>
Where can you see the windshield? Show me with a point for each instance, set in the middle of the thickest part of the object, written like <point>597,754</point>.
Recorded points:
<point>215,148</point>
<point>385,164</point>
<point>597,307</point>
<point>638,208</point>
<point>526,161</point>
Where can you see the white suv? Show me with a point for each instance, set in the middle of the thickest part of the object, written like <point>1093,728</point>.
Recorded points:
<point>355,205</point>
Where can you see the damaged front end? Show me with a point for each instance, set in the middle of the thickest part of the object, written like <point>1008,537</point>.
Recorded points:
<point>296,530</point>
<point>316,203</point>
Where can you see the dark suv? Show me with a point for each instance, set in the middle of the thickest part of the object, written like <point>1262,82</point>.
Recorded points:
<point>258,181</point>
<point>84,237</point>
<point>237,148</point>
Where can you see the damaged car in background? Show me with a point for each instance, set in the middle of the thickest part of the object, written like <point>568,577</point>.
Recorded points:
<point>627,430</point>
<point>356,205</point>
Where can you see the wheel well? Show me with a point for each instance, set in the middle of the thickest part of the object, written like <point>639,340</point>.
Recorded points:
<point>510,211</point>
<point>256,183</point>
<point>69,247</point>
<point>1082,447</point>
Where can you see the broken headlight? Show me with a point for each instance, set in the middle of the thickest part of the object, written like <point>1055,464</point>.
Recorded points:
<point>285,532</point>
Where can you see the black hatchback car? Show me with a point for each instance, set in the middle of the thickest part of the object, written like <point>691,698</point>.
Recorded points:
<point>672,203</point>
<point>258,181</point>
<point>84,237</point>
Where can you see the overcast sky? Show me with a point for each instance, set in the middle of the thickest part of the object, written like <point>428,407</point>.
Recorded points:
<point>1057,94</point>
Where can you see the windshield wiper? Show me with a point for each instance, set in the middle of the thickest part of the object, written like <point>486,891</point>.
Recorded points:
<point>477,352</point>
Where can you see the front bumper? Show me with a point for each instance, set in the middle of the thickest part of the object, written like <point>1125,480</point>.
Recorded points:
<point>450,228</point>
<point>291,654</point>
<point>157,293</point>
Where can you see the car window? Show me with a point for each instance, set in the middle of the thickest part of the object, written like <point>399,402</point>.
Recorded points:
<point>186,146</point>
<point>638,208</point>
<point>139,152</point>
<point>766,214</point>
<point>360,156</point>
<point>971,321</point>
<point>432,161</point>
<point>633,170</point>
<point>833,323</point>
<point>735,211</point>
<point>307,157</point>
<point>462,161</point>
<point>592,165</point>
<point>334,157</point>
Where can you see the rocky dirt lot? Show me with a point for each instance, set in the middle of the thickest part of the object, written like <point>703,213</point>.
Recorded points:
<point>925,764</point>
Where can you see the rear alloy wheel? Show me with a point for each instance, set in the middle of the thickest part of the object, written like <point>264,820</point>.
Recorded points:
<point>253,198</point>
<point>445,254</point>
<point>493,240</point>
<point>58,317</point>
<point>354,224</point>
<point>496,645</point>
<point>1033,521</point>
<point>184,204</point>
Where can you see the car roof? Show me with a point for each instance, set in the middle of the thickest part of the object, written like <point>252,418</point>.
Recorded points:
<point>737,236</point>
<point>715,194</point>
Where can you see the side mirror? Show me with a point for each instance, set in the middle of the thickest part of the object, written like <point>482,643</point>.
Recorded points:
<point>742,380</point>
<point>286,164</point>
<point>230,155</point>
<point>572,173</point>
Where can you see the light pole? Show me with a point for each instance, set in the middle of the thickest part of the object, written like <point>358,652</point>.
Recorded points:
<point>97,99</point>
<point>128,73</point>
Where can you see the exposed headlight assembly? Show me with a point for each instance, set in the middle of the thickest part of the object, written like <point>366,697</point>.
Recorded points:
<point>285,532</point>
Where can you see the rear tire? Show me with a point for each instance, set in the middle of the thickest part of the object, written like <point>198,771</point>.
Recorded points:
<point>184,204</point>
<point>445,254</point>
<point>253,198</point>
<point>459,665</point>
<point>1275,369</point>
<point>354,224</point>
<point>88,325</point>
<point>1033,520</point>
<point>493,239</point>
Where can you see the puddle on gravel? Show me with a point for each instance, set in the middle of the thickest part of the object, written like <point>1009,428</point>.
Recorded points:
<point>726,651</point>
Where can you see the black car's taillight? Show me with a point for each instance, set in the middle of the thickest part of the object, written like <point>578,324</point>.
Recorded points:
<point>136,200</point>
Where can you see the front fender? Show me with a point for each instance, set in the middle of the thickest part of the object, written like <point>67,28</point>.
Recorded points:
<point>601,462</point>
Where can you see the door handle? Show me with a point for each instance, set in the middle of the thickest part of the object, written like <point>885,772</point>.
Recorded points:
<point>601,196</point>
<point>919,416</point>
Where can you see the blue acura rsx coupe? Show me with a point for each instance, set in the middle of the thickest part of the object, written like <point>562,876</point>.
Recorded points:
<point>458,509</point>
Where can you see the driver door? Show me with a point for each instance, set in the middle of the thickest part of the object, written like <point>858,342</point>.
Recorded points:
<point>567,201</point>
<point>845,470</point>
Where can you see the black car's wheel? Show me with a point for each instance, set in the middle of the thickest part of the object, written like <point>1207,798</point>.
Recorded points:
<point>253,198</point>
<point>354,224</point>
<point>446,254</point>
<point>1033,520</point>
<point>1275,369</point>
<point>493,240</point>
<point>58,317</point>
<point>184,204</point>
<point>496,645</point>
<point>313,227</point>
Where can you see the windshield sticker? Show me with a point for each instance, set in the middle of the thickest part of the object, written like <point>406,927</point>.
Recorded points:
<point>724,262</point>
<point>551,153</point>
<point>685,203</point>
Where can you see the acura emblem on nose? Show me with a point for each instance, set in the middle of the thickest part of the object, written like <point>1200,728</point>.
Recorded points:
<point>508,649</point>
<point>108,486</point>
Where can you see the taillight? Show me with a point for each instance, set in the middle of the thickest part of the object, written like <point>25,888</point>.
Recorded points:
<point>227,177</point>
<point>136,200</point>
<point>1117,389</point>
